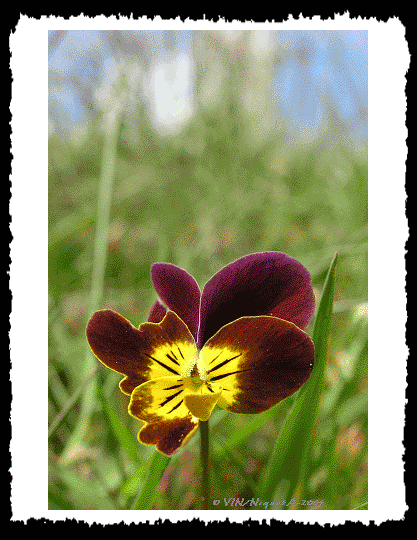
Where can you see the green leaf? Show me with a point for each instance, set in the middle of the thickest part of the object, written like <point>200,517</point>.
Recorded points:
<point>293,447</point>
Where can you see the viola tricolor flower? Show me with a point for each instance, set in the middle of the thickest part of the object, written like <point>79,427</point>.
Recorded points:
<point>239,344</point>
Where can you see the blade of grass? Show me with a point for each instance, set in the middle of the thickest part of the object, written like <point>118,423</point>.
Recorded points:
<point>119,430</point>
<point>131,486</point>
<point>57,388</point>
<point>243,434</point>
<point>70,403</point>
<point>157,465</point>
<point>108,165</point>
<point>344,405</point>
<point>293,447</point>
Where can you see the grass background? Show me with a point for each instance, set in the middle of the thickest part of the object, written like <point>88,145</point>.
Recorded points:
<point>122,196</point>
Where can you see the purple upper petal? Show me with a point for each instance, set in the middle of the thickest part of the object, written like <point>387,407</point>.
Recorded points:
<point>179,291</point>
<point>269,283</point>
<point>157,312</point>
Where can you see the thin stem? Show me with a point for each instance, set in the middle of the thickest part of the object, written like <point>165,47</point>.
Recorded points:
<point>204,439</point>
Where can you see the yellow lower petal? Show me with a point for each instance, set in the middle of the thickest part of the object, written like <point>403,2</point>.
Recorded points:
<point>160,404</point>
<point>171,408</point>
<point>201,405</point>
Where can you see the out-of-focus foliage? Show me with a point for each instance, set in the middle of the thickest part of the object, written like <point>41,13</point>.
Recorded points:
<point>222,187</point>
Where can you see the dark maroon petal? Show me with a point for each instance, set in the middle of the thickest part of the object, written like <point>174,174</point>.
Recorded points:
<point>157,312</point>
<point>144,353</point>
<point>258,362</point>
<point>269,283</point>
<point>169,437</point>
<point>117,344</point>
<point>179,291</point>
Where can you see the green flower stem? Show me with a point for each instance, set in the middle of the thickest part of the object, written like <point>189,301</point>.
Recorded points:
<point>204,440</point>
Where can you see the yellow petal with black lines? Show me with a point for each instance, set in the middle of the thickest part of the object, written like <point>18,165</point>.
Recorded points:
<point>160,404</point>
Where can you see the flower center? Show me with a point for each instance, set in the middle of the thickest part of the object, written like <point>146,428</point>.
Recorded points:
<point>195,378</point>
<point>195,371</point>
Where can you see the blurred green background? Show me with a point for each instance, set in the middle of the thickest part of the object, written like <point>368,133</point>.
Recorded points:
<point>196,149</point>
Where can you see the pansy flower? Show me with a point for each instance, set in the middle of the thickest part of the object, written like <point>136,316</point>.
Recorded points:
<point>239,344</point>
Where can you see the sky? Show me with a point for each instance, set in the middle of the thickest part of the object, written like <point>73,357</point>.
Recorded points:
<point>313,72</point>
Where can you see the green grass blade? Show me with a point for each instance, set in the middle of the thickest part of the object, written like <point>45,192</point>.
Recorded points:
<point>244,433</point>
<point>323,320</point>
<point>131,486</point>
<point>70,403</point>
<point>158,464</point>
<point>88,398</point>
<point>294,444</point>
<point>120,431</point>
